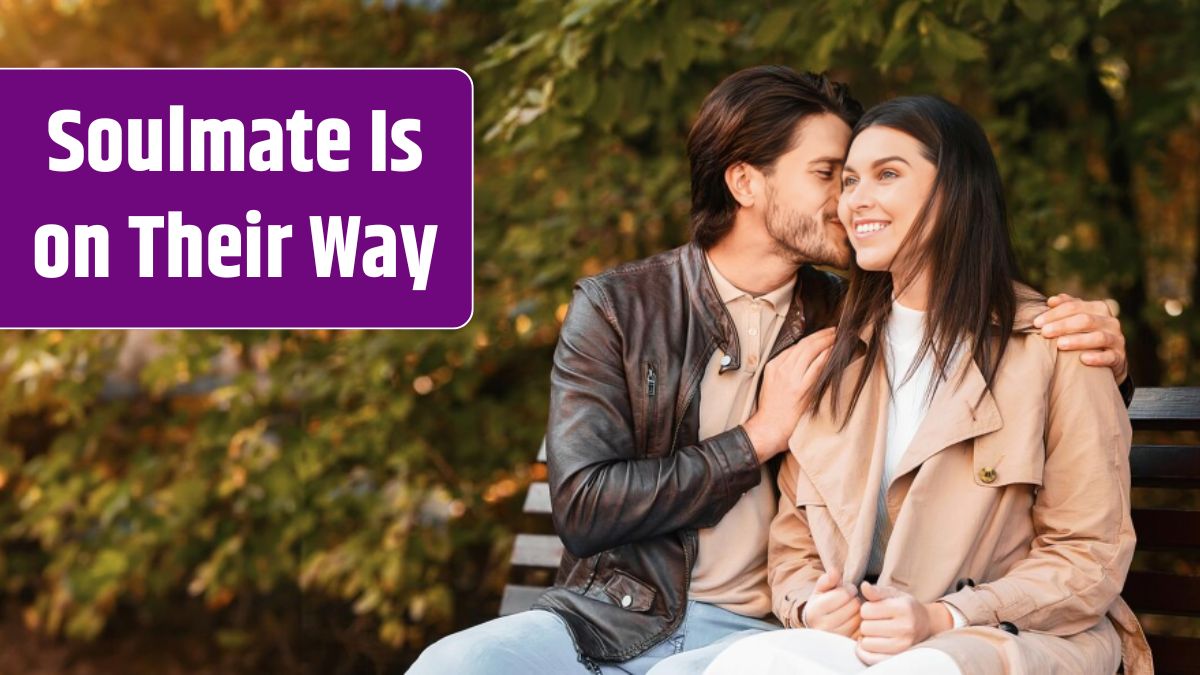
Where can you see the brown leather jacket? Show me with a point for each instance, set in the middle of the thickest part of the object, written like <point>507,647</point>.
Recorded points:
<point>630,481</point>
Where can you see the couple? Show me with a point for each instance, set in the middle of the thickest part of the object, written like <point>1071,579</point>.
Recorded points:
<point>935,485</point>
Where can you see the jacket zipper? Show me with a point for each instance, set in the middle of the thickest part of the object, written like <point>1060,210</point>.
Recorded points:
<point>648,418</point>
<point>688,537</point>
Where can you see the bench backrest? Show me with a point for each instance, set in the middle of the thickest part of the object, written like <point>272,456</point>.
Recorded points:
<point>1163,584</point>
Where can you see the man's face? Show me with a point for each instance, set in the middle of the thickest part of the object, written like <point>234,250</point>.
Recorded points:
<point>802,195</point>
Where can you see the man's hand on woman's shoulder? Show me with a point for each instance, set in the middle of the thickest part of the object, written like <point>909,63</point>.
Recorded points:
<point>1088,327</point>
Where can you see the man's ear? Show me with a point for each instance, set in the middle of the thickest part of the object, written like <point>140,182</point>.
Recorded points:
<point>745,183</point>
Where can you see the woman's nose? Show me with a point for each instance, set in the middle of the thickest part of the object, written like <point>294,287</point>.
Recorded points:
<point>859,198</point>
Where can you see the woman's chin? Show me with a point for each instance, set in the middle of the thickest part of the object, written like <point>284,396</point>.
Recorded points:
<point>870,263</point>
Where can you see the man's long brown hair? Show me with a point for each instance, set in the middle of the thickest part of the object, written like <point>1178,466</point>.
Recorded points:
<point>960,236</point>
<point>752,117</point>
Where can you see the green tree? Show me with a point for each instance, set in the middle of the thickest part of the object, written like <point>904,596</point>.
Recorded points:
<point>1093,107</point>
<point>320,499</point>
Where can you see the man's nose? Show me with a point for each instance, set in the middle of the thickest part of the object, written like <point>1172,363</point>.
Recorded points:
<point>835,187</point>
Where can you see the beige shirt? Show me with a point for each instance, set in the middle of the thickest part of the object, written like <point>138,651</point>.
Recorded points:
<point>731,568</point>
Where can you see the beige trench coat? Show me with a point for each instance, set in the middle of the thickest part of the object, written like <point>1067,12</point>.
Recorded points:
<point>1024,490</point>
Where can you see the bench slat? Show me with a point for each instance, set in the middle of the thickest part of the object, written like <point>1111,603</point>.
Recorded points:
<point>1161,593</point>
<point>1152,465</point>
<point>1174,655</point>
<point>518,598</point>
<point>537,500</point>
<point>1165,466</point>
<point>537,550</point>
<point>1166,528</point>
<point>1165,408</point>
<point>541,456</point>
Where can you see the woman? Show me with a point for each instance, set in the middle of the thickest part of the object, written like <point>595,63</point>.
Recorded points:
<point>958,499</point>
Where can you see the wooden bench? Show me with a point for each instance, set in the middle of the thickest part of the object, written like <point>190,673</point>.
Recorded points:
<point>1163,584</point>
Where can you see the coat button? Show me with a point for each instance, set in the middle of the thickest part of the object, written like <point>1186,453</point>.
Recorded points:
<point>1009,628</point>
<point>726,360</point>
<point>987,475</point>
<point>626,601</point>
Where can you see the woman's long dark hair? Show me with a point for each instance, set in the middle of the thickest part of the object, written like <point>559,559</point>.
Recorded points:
<point>960,236</point>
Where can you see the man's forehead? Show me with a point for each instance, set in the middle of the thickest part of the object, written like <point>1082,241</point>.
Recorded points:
<point>821,136</point>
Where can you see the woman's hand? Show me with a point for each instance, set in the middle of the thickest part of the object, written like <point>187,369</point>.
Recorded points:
<point>893,621</point>
<point>833,606</point>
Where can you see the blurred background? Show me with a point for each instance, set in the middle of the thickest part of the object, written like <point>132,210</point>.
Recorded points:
<point>333,501</point>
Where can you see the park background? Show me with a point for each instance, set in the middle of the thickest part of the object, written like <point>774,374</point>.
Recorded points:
<point>333,501</point>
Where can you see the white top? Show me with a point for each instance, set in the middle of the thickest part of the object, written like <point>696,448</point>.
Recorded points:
<point>906,409</point>
<point>911,395</point>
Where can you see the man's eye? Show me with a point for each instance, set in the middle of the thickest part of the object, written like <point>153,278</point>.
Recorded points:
<point>825,174</point>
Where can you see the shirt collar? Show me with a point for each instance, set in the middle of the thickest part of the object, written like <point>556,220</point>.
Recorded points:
<point>779,299</point>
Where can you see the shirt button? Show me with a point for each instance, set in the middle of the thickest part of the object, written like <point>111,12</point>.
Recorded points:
<point>626,601</point>
<point>726,360</point>
<point>753,331</point>
<point>752,360</point>
<point>987,475</point>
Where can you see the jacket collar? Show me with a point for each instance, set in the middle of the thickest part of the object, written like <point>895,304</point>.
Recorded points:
<point>963,407</point>
<point>707,304</point>
<point>847,469</point>
<point>816,299</point>
<point>779,299</point>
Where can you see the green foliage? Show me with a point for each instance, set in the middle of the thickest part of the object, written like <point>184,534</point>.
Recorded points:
<point>1093,107</point>
<point>381,471</point>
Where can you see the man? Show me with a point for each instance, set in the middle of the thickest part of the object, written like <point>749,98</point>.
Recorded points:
<point>676,381</point>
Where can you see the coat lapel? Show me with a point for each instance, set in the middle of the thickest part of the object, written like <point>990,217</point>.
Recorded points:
<point>845,466</point>
<point>961,409</point>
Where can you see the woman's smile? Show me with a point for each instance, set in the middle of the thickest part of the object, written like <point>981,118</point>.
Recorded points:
<point>867,227</point>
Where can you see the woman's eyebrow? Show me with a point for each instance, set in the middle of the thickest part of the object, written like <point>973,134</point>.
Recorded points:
<point>876,163</point>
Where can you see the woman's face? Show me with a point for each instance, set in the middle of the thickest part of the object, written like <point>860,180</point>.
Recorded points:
<point>885,183</point>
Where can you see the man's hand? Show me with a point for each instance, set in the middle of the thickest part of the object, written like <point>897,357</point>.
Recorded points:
<point>893,621</point>
<point>786,383</point>
<point>1087,327</point>
<point>833,606</point>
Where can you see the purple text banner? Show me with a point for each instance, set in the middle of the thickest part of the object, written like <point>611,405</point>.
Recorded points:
<point>236,198</point>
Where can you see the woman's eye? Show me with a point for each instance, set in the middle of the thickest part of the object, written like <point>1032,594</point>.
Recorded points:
<point>888,173</point>
<point>848,181</point>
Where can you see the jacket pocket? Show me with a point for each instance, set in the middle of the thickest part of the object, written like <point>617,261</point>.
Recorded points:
<point>628,593</point>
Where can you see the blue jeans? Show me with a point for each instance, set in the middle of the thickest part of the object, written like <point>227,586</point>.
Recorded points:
<point>537,641</point>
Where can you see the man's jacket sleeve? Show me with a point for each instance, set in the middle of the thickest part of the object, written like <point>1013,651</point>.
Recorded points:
<point>602,494</point>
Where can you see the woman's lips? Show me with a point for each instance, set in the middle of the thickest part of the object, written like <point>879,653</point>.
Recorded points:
<point>869,228</point>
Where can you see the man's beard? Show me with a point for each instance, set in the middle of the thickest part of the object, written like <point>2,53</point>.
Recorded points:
<point>801,239</point>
